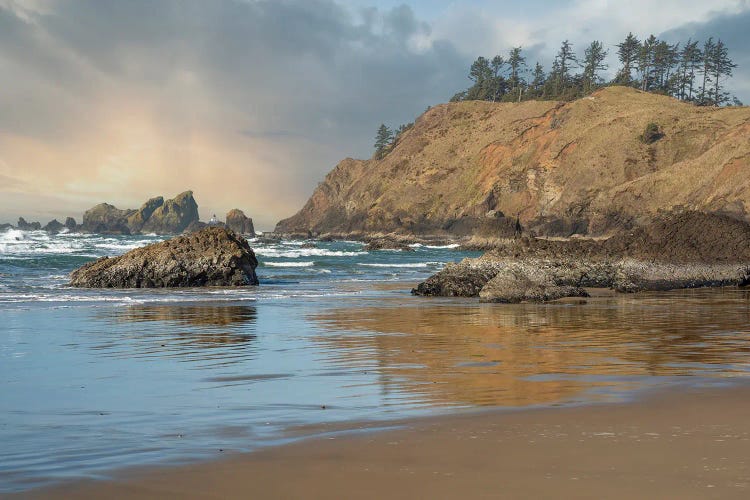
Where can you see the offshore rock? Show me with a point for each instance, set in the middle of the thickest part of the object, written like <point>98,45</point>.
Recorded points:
<point>139,218</point>
<point>387,244</point>
<point>155,216</point>
<point>54,226</point>
<point>28,226</point>
<point>214,256</point>
<point>70,224</point>
<point>106,219</point>
<point>173,216</point>
<point>237,221</point>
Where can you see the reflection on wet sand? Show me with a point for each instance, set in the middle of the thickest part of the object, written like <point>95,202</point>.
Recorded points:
<point>197,332</point>
<point>456,354</point>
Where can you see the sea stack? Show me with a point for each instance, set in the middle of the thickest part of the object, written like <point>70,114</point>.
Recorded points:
<point>214,256</point>
<point>237,221</point>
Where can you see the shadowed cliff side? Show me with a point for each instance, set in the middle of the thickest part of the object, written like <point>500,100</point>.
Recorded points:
<point>470,168</point>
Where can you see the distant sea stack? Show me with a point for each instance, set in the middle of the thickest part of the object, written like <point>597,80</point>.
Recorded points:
<point>585,167</point>
<point>213,256</point>
<point>155,216</point>
<point>237,221</point>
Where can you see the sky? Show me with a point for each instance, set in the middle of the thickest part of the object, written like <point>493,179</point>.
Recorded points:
<point>250,103</point>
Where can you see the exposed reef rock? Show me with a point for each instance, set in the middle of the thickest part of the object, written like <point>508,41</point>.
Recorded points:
<point>680,250</point>
<point>54,226</point>
<point>472,168</point>
<point>214,256</point>
<point>237,221</point>
<point>5,227</point>
<point>28,226</point>
<point>155,216</point>
<point>387,244</point>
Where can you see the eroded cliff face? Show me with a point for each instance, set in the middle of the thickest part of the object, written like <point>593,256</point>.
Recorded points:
<point>472,168</point>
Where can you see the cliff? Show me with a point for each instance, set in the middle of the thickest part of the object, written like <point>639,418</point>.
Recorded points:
<point>471,168</point>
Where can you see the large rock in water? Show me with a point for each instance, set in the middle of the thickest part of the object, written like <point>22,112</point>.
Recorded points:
<point>173,216</point>
<point>214,256</point>
<point>239,222</point>
<point>106,219</point>
<point>155,216</point>
<point>28,226</point>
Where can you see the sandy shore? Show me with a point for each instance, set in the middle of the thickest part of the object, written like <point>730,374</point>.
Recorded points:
<point>690,443</point>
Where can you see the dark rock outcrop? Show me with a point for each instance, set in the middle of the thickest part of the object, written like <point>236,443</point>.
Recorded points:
<point>137,220</point>
<point>237,221</point>
<point>70,224</point>
<point>5,227</point>
<point>387,244</point>
<point>173,216</point>
<point>54,226</point>
<point>106,219</point>
<point>675,250</point>
<point>28,226</point>
<point>213,256</point>
<point>155,216</point>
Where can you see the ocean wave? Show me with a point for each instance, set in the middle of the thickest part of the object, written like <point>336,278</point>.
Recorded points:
<point>289,264</point>
<point>304,252</point>
<point>401,264</point>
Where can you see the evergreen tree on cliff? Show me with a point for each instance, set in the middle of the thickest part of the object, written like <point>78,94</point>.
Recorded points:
<point>383,140</point>
<point>593,62</point>
<point>627,52</point>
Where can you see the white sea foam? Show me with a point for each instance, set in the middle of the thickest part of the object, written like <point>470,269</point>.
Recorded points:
<point>402,264</point>
<point>304,252</point>
<point>289,264</point>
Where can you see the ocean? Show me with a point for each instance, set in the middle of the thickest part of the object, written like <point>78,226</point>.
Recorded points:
<point>95,381</point>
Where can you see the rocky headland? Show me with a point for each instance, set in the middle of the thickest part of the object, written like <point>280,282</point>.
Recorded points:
<point>213,256</point>
<point>473,168</point>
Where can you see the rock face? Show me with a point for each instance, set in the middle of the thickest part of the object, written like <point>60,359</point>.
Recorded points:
<point>155,216</point>
<point>70,224</point>
<point>213,256</point>
<point>470,168</point>
<point>106,219</point>
<point>682,250</point>
<point>173,216</point>
<point>238,222</point>
<point>54,226</point>
<point>28,226</point>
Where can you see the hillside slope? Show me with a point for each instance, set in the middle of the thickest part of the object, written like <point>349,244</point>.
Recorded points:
<point>471,168</point>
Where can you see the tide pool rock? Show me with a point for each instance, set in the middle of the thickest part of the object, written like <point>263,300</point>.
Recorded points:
<point>213,256</point>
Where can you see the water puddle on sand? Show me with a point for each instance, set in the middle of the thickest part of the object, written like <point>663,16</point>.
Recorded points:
<point>446,353</point>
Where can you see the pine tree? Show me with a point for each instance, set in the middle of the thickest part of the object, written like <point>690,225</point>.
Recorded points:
<point>565,60</point>
<point>646,61</point>
<point>538,80</point>
<point>498,83</point>
<point>690,59</point>
<point>722,67</point>
<point>383,140</point>
<point>516,61</point>
<point>593,62</point>
<point>706,69</point>
<point>628,52</point>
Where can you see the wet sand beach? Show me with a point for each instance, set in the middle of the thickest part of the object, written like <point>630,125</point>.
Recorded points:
<point>687,443</point>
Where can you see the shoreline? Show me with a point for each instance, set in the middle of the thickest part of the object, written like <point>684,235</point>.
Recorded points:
<point>686,443</point>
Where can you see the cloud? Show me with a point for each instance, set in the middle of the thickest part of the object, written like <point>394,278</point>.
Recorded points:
<point>247,103</point>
